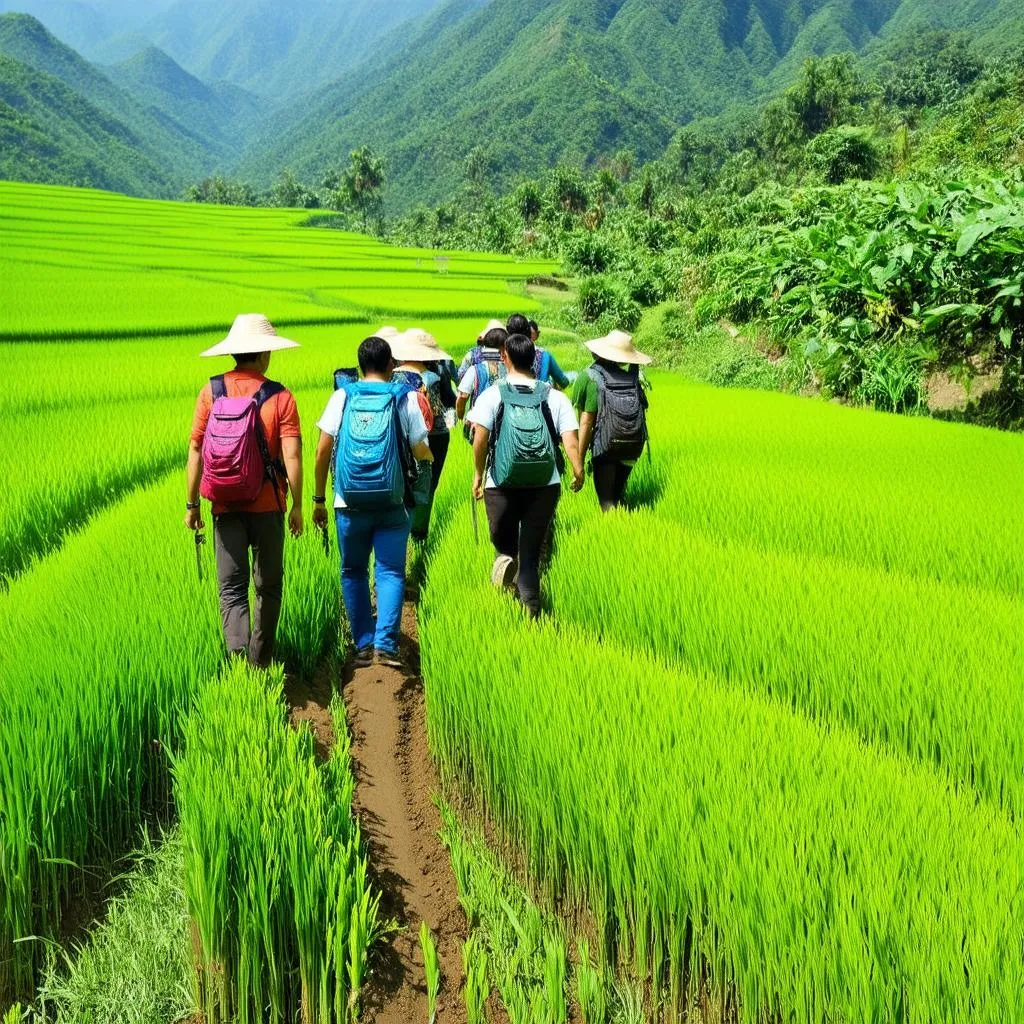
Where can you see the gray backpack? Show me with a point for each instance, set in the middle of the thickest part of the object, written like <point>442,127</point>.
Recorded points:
<point>621,430</point>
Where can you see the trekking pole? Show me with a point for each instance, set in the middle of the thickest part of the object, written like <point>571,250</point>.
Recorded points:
<point>476,525</point>
<point>326,539</point>
<point>200,541</point>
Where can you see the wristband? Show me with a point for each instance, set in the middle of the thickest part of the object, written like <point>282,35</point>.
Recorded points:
<point>192,506</point>
<point>319,501</point>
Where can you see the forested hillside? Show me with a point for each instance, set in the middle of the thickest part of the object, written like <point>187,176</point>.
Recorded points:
<point>50,134</point>
<point>530,83</point>
<point>861,235</point>
<point>166,142</point>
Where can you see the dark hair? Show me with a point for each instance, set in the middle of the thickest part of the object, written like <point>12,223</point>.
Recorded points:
<point>495,338</point>
<point>247,357</point>
<point>535,328</point>
<point>521,352</point>
<point>375,356</point>
<point>518,324</point>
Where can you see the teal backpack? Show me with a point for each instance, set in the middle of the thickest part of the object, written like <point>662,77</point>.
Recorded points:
<point>524,450</point>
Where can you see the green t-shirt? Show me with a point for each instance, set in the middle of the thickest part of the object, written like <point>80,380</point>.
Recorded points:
<point>585,395</point>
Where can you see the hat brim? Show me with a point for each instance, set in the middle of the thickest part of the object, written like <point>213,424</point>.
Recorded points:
<point>618,355</point>
<point>416,353</point>
<point>249,344</point>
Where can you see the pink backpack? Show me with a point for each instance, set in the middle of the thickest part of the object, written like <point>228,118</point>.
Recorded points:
<point>236,460</point>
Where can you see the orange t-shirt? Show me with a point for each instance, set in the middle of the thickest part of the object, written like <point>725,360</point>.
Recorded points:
<point>280,419</point>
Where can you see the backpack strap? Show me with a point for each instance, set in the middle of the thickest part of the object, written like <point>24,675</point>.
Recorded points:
<point>218,387</point>
<point>274,468</point>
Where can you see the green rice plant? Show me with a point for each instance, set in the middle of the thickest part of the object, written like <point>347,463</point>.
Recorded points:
<point>94,692</point>
<point>554,979</point>
<point>589,986</point>
<point>432,970</point>
<point>80,265</point>
<point>720,839</point>
<point>274,872</point>
<point>477,989</point>
<point>920,666</point>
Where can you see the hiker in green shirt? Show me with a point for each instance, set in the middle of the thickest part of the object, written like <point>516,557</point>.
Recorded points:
<point>610,399</point>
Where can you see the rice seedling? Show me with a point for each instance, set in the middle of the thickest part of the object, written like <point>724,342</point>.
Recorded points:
<point>432,970</point>
<point>589,986</point>
<point>476,988</point>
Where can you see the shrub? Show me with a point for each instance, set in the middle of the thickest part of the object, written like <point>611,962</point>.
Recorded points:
<point>602,298</point>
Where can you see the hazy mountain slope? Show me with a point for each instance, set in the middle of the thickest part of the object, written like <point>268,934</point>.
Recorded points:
<point>167,142</point>
<point>275,49</point>
<point>535,81</point>
<point>80,25</point>
<point>49,133</point>
<point>222,114</point>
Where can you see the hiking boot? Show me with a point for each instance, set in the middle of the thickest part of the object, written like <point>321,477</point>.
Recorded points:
<point>363,658</point>
<point>390,659</point>
<point>504,572</point>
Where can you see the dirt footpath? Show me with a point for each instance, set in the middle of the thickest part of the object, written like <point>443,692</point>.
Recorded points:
<point>395,779</point>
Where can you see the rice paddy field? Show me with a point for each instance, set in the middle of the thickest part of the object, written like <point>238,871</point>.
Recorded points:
<point>765,756</point>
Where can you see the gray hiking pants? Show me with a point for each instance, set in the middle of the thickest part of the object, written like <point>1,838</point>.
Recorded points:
<point>234,533</point>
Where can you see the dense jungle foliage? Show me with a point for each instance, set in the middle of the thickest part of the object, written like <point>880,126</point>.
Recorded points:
<point>864,229</point>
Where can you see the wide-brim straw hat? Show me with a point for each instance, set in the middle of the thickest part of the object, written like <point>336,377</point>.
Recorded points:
<point>251,334</point>
<point>493,325</point>
<point>387,333</point>
<point>416,346</point>
<point>618,347</point>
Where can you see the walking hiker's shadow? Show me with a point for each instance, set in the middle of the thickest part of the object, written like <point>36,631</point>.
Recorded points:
<point>646,487</point>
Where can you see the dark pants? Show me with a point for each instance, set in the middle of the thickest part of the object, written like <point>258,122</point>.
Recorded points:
<point>421,514</point>
<point>234,533</point>
<point>520,519</point>
<point>610,479</point>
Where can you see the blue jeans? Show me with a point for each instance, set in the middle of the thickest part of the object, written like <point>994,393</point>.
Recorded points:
<point>385,535</point>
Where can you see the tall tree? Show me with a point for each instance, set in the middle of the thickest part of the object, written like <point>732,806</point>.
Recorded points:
<point>363,184</point>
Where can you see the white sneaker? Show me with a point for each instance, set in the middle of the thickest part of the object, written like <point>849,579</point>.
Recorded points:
<point>504,572</point>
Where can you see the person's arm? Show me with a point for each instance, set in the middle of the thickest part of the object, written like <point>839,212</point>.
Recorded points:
<point>587,423</point>
<point>291,453</point>
<point>322,466</point>
<point>558,376</point>
<point>481,441</point>
<point>571,443</point>
<point>194,474</point>
<point>466,386</point>
<point>415,427</point>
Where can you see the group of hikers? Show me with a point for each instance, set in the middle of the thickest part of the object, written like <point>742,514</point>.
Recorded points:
<point>384,439</point>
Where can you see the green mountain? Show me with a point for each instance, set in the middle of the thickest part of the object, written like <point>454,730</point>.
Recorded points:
<point>223,115</point>
<point>79,25</point>
<point>165,140</point>
<point>50,134</point>
<point>278,50</point>
<point>534,82</point>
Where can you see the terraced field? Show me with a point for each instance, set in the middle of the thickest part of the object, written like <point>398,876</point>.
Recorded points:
<point>764,756</point>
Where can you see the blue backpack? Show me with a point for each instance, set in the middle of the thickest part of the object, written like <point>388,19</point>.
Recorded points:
<point>370,471</point>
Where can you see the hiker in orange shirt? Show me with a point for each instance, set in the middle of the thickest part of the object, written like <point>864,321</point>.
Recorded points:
<point>245,454</point>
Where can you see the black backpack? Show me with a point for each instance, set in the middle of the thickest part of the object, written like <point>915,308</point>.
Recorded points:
<point>621,430</point>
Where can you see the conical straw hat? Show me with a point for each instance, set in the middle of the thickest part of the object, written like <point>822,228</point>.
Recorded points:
<point>618,347</point>
<point>416,346</point>
<point>493,325</point>
<point>387,333</point>
<point>250,334</point>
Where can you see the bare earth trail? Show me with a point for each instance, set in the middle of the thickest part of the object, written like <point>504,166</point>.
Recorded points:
<point>395,778</point>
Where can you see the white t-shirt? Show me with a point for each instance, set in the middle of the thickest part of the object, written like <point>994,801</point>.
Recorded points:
<point>485,410</point>
<point>409,416</point>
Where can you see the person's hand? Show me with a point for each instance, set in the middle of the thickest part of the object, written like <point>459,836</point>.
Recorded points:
<point>478,487</point>
<point>577,481</point>
<point>194,520</point>
<point>320,518</point>
<point>295,521</point>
